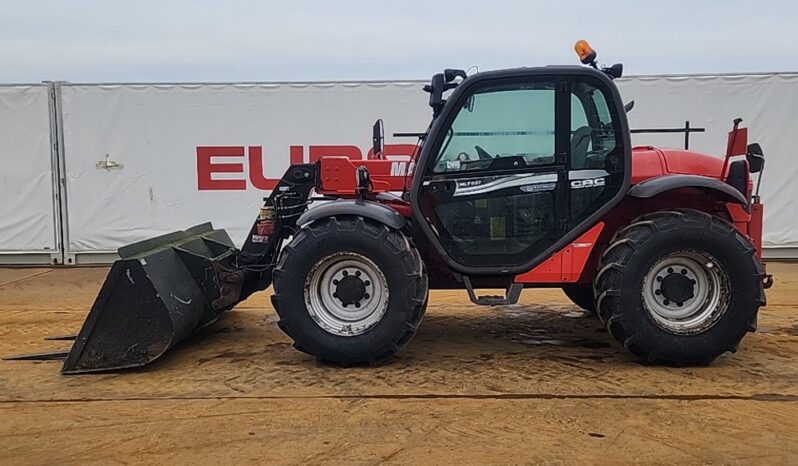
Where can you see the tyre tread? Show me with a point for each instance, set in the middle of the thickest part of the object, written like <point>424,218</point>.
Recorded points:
<point>619,254</point>
<point>398,245</point>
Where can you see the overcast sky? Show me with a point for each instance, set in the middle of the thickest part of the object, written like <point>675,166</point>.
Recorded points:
<point>216,40</point>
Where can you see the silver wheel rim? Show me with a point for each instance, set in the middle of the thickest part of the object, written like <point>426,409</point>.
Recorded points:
<point>346,315</point>
<point>665,292</point>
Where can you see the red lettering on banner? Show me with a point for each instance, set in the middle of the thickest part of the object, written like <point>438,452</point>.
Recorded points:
<point>297,155</point>
<point>206,168</point>
<point>256,170</point>
<point>256,166</point>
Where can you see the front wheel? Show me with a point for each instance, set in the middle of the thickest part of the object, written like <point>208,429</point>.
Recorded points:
<point>349,291</point>
<point>679,287</point>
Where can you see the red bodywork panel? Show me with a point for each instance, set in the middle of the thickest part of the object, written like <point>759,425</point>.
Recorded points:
<point>338,175</point>
<point>651,162</point>
<point>566,265</point>
<point>338,179</point>
<point>749,224</point>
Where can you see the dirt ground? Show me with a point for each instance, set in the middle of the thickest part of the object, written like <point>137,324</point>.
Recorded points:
<point>537,382</point>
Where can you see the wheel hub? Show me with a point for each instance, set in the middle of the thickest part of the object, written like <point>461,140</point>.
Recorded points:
<point>346,294</point>
<point>677,287</point>
<point>685,292</point>
<point>349,290</point>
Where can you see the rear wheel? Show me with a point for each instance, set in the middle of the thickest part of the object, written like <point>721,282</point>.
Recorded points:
<point>582,296</point>
<point>349,291</point>
<point>679,287</point>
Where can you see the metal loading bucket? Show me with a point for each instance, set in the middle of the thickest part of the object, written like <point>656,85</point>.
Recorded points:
<point>158,293</point>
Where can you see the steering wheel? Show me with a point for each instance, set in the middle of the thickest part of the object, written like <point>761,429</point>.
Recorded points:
<point>482,153</point>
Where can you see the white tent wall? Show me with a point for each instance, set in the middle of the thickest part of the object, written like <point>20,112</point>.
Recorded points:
<point>28,221</point>
<point>151,134</point>
<point>768,105</point>
<point>136,155</point>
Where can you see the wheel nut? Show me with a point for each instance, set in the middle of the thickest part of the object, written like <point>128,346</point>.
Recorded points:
<point>367,283</point>
<point>367,296</point>
<point>357,274</point>
<point>657,292</point>
<point>345,273</point>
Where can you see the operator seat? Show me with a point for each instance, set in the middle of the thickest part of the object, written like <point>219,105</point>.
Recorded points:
<point>580,141</point>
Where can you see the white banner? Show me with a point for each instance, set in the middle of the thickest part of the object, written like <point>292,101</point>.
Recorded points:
<point>167,147</point>
<point>767,104</point>
<point>27,220</point>
<point>143,160</point>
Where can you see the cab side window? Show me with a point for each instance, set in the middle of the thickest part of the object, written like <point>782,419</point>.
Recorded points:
<point>592,174</point>
<point>592,135</point>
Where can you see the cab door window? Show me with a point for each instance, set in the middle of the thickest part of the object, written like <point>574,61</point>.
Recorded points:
<point>492,192</point>
<point>501,122</point>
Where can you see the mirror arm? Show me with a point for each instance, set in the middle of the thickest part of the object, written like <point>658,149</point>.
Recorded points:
<point>377,139</point>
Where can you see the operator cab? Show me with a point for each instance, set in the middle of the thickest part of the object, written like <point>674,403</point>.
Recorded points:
<point>518,163</point>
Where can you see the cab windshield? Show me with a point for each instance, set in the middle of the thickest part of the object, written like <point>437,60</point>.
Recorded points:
<point>501,122</point>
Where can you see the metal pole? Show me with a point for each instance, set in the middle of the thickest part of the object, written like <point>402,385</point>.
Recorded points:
<point>687,135</point>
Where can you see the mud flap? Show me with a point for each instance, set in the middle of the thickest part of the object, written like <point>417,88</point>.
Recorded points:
<point>158,293</point>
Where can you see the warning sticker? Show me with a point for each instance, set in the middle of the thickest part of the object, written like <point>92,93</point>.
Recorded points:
<point>497,228</point>
<point>260,239</point>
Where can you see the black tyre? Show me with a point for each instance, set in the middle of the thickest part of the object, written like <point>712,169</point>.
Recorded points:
<point>582,296</point>
<point>679,287</point>
<point>349,291</point>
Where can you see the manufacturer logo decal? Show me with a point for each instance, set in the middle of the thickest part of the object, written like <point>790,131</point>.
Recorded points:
<point>588,183</point>
<point>534,188</point>
<point>402,168</point>
<point>469,183</point>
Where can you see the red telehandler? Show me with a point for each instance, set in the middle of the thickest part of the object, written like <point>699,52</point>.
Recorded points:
<point>524,178</point>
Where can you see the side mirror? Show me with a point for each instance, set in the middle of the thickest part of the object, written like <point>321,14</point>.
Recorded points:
<point>450,75</point>
<point>588,57</point>
<point>377,139</point>
<point>755,157</point>
<point>614,71</point>
<point>435,89</point>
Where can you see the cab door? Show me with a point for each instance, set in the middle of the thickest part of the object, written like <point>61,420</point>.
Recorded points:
<point>516,164</point>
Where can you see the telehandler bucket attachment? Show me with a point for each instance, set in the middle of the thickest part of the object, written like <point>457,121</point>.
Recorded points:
<point>163,289</point>
<point>159,292</point>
